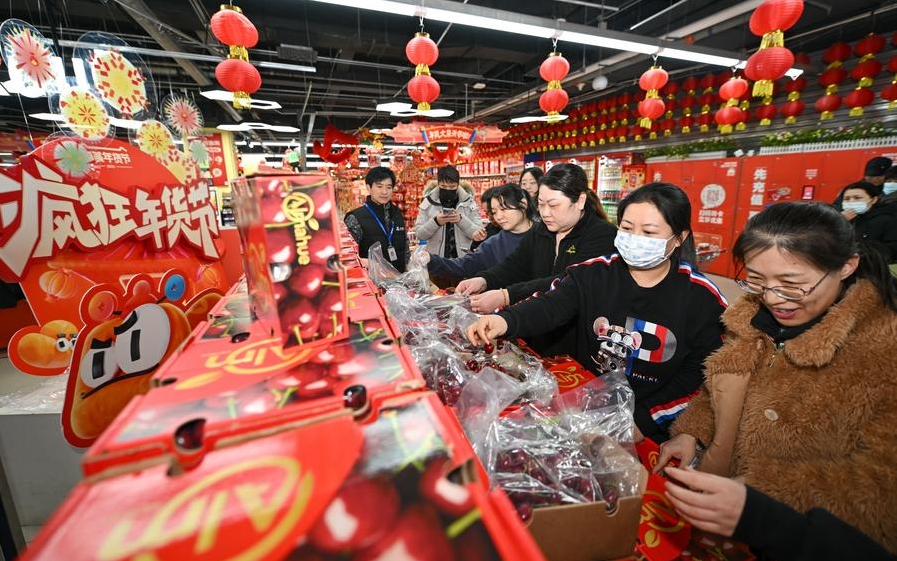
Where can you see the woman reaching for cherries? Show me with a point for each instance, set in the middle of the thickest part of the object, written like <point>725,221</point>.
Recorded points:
<point>648,287</point>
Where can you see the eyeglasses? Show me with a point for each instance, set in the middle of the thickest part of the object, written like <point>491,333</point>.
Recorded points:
<point>791,293</point>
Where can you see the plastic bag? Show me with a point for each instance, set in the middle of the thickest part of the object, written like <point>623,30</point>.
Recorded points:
<point>416,278</point>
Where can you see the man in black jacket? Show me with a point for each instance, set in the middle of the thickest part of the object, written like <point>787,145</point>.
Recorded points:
<point>377,220</point>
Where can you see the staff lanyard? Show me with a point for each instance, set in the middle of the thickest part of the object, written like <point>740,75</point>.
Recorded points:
<point>380,223</point>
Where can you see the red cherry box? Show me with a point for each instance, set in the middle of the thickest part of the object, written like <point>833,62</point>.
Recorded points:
<point>568,372</point>
<point>399,485</point>
<point>289,230</point>
<point>221,387</point>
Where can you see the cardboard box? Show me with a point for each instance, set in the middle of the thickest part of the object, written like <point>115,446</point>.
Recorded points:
<point>290,235</point>
<point>402,480</point>
<point>587,532</point>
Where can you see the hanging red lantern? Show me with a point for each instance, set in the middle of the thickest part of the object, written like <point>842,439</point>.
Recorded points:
<point>553,101</point>
<point>834,74</point>
<point>685,123</point>
<point>235,74</point>
<point>422,50</point>
<point>727,117</point>
<point>766,113</point>
<point>857,100</point>
<point>667,126</point>
<point>870,45</point>
<point>766,66</point>
<point>686,103</point>
<point>652,107</point>
<point>231,27</point>
<point>836,53</point>
<point>239,77</point>
<point>827,105</point>
<point>730,92</point>
<point>706,100</point>
<point>704,120</point>
<point>653,79</point>
<point>792,109</point>
<point>865,72</point>
<point>554,68</point>
<point>424,90</point>
<point>734,88</point>
<point>889,94</point>
<point>832,78</point>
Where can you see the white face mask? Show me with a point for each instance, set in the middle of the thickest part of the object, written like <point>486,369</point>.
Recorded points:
<point>641,252</point>
<point>858,207</point>
<point>889,187</point>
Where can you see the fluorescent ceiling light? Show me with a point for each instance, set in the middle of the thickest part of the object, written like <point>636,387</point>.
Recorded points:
<point>694,56</point>
<point>397,8</point>
<point>285,66</point>
<point>222,95</point>
<point>607,42</point>
<point>47,116</point>
<point>483,22</point>
<point>244,126</point>
<point>402,109</point>
<point>544,118</point>
<point>479,86</point>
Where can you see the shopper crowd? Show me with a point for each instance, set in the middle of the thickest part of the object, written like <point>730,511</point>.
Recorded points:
<point>784,400</point>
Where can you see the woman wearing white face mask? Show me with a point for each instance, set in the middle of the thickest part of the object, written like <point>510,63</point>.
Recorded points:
<point>648,287</point>
<point>873,216</point>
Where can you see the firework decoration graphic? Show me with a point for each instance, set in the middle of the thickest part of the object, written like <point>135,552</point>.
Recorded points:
<point>200,153</point>
<point>84,114</point>
<point>29,57</point>
<point>73,158</point>
<point>154,138</point>
<point>119,82</point>
<point>182,115</point>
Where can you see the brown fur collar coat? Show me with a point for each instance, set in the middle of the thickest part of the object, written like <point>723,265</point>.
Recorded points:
<point>813,424</point>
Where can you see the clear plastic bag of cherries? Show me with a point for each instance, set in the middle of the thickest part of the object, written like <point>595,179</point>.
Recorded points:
<point>577,449</point>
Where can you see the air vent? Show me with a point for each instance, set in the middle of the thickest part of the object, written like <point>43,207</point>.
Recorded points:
<point>297,53</point>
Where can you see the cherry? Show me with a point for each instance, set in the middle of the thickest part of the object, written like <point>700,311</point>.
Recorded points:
<point>361,363</point>
<point>450,498</point>
<point>281,245</point>
<point>301,315</point>
<point>361,513</point>
<point>307,281</point>
<point>321,248</point>
<point>355,397</point>
<point>524,511</point>
<point>489,348</point>
<point>416,536</point>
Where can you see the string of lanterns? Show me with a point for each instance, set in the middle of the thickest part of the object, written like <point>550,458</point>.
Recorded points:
<point>236,74</point>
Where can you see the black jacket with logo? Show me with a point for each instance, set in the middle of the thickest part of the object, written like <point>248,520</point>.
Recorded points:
<point>533,266</point>
<point>366,231</point>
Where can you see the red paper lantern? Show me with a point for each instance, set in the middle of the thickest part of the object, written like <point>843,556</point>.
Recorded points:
<point>734,88</point>
<point>231,27</point>
<point>667,125</point>
<point>792,109</point>
<point>650,108</point>
<point>704,120</point>
<point>690,84</point>
<point>837,53</point>
<point>422,50</point>
<point>670,90</point>
<point>553,101</point>
<point>831,78</point>
<point>766,113</point>
<point>707,82</point>
<point>775,15</point>
<point>653,79</point>
<point>865,72</point>
<point>686,103</point>
<point>424,90</point>
<point>685,123</point>
<point>857,100</point>
<point>827,105</point>
<point>869,45</point>
<point>727,117</point>
<point>239,77</point>
<point>889,94</point>
<point>554,68</point>
<point>768,65</point>
<point>797,85</point>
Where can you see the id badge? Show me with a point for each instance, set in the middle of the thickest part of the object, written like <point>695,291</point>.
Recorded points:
<point>391,251</point>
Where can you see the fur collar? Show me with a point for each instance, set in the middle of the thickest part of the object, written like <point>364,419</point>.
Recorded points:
<point>818,345</point>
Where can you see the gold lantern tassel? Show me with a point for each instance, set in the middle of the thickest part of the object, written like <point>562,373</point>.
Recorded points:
<point>763,88</point>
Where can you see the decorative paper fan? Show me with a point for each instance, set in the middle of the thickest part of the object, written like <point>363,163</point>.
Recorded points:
<point>154,138</point>
<point>29,57</point>
<point>180,166</point>
<point>73,158</point>
<point>119,83</point>
<point>84,114</point>
<point>200,153</point>
<point>182,114</point>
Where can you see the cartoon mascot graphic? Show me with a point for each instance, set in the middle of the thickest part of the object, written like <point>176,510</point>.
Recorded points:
<point>616,346</point>
<point>125,339</point>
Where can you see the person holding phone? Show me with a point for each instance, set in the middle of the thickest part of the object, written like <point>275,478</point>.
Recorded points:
<point>449,218</point>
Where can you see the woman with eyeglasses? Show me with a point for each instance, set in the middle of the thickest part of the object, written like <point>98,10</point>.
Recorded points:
<point>800,402</point>
<point>378,220</point>
<point>648,289</point>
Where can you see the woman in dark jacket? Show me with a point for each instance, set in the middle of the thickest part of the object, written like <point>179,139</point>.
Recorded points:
<point>573,228</point>
<point>874,219</point>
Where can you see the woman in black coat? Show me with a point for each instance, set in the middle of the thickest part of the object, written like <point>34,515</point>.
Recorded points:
<point>874,218</point>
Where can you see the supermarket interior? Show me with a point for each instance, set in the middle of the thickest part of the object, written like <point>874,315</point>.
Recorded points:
<point>439,279</point>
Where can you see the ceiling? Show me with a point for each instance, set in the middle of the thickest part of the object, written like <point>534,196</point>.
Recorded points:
<point>359,55</point>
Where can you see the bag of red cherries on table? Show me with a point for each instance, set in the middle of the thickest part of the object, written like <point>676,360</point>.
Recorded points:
<point>433,327</point>
<point>576,449</point>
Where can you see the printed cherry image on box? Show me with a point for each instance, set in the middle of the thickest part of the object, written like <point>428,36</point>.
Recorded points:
<point>289,231</point>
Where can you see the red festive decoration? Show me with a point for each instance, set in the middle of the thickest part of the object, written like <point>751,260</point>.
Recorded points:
<point>554,69</point>
<point>553,101</point>
<point>236,74</point>
<point>730,92</point>
<point>858,99</point>
<point>333,135</point>
<point>827,105</point>
<point>766,113</point>
<point>792,109</point>
<point>889,93</point>
<point>652,107</point>
<point>834,73</point>
<point>422,52</point>
<point>770,20</point>
<point>685,123</point>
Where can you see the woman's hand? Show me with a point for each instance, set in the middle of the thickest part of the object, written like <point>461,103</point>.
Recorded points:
<point>486,329</point>
<point>708,502</point>
<point>471,286</point>
<point>487,302</point>
<point>479,235</point>
<point>849,214</point>
<point>681,447</point>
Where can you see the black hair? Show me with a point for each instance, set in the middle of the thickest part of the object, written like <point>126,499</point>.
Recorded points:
<point>485,197</point>
<point>870,189</point>
<point>674,207</point>
<point>448,174</point>
<point>514,197</point>
<point>817,233</point>
<point>572,181</point>
<point>891,173</point>
<point>535,171</point>
<point>378,174</point>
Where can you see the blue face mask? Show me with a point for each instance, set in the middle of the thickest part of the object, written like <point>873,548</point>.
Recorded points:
<point>858,207</point>
<point>889,187</point>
